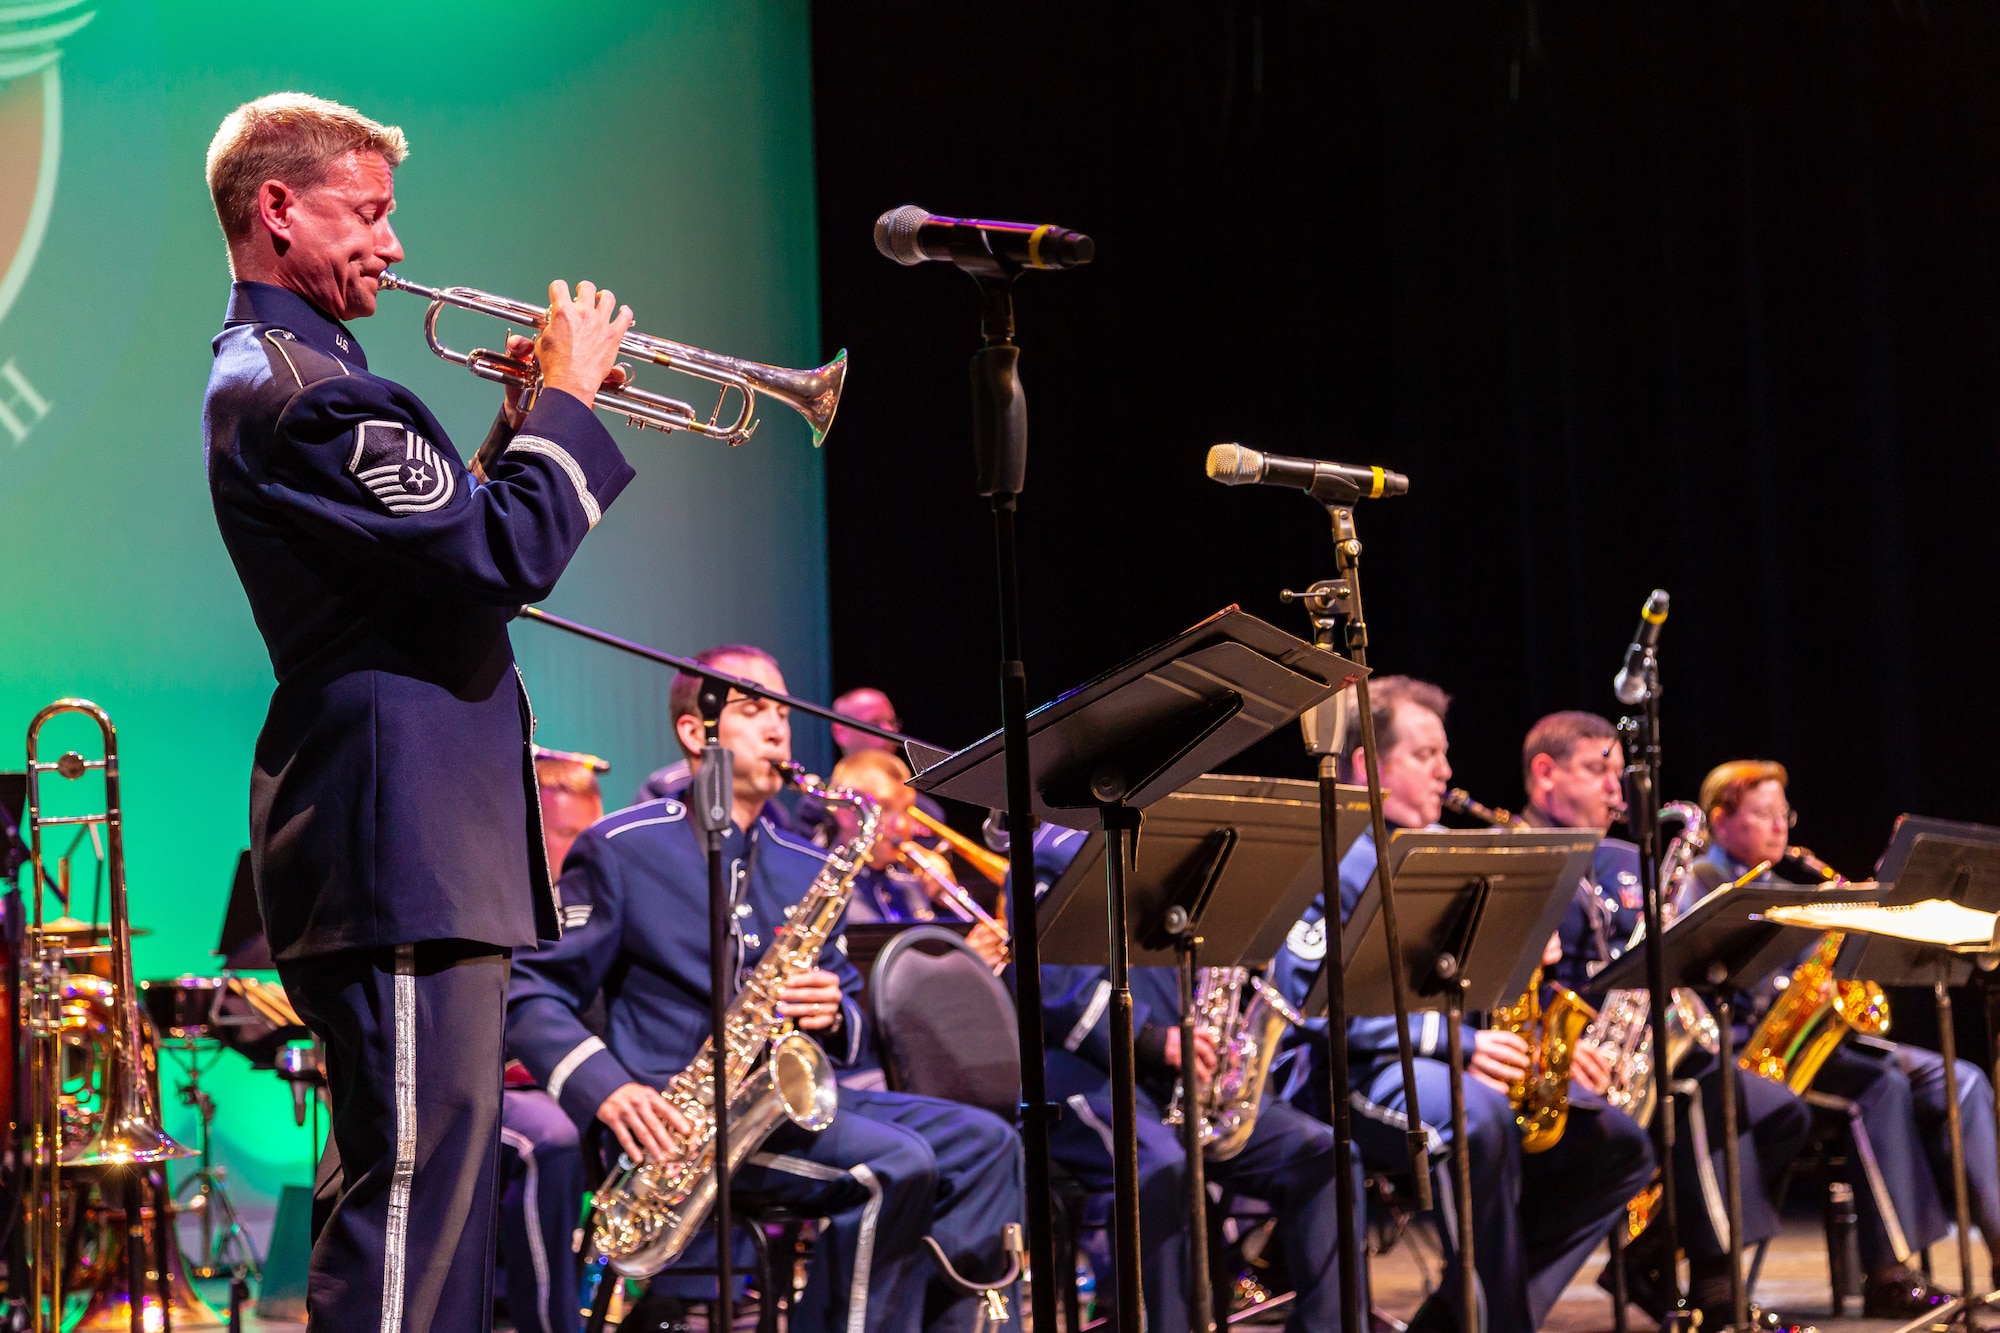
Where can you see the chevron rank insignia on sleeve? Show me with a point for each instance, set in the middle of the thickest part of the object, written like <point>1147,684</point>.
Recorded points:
<point>400,468</point>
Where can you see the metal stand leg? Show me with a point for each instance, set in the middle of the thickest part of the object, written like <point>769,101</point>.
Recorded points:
<point>1732,1166</point>
<point>1948,1044</point>
<point>1201,1290</point>
<point>1461,1160</point>
<point>1124,1095</point>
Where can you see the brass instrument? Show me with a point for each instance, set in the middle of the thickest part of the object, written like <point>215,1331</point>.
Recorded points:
<point>647,1212</point>
<point>1815,1010</point>
<point>813,394</point>
<point>1622,1032</point>
<point>1246,1037</point>
<point>934,867</point>
<point>1541,1096</point>
<point>992,865</point>
<point>1459,801</point>
<point>123,1133</point>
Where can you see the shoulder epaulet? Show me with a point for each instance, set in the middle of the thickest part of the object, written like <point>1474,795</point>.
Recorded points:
<point>646,814</point>
<point>299,362</point>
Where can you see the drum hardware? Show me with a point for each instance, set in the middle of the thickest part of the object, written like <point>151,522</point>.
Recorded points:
<point>226,1247</point>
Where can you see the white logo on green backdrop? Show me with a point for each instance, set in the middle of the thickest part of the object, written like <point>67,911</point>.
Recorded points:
<point>31,37</point>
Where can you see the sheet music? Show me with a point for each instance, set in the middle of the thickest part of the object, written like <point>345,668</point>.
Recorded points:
<point>1934,921</point>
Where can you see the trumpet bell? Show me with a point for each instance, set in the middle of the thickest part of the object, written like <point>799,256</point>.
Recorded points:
<point>813,394</point>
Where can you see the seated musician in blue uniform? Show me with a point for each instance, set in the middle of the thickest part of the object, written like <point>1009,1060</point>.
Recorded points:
<point>890,1169</point>
<point>1903,1193</point>
<point>1288,1161</point>
<point>1572,768</point>
<point>908,876</point>
<point>393,832</point>
<point>542,1173</point>
<point>1536,1217</point>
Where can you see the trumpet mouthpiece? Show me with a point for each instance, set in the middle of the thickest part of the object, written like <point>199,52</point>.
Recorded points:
<point>1233,465</point>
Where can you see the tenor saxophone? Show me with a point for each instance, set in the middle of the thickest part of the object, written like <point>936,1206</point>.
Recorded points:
<point>1246,1037</point>
<point>647,1212</point>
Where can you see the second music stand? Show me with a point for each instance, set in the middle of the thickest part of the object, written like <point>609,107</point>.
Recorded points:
<point>1476,908</point>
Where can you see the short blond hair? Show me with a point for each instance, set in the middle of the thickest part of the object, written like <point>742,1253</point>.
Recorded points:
<point>567,775</point>
<point>290,137</point>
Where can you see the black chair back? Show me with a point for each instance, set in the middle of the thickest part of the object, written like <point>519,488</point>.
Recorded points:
<point>945,1023</point>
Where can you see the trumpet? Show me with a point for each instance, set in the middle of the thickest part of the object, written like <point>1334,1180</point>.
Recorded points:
<point>813,394</point>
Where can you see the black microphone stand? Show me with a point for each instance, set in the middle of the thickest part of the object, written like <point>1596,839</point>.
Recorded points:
<point>1332,603</point>
<point>1641,737</point>
<point>713,797</point>
<point>1000,454</point>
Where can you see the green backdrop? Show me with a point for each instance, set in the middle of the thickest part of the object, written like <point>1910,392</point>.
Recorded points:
<point>663,149</point>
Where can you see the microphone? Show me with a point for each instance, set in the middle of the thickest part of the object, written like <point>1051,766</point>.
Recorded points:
<point>909,235</point>
<point>1329,483</point>
<point>1630,683</point>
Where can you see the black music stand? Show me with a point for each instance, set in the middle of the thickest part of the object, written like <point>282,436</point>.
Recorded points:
<point>1117,745</point>
<point>1719,948</point>
<point>1959,863</point>
<point>1476,908</point>
<point>1226,866</point>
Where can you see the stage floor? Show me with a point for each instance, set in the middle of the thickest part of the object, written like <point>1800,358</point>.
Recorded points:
<point>1793,1281</point>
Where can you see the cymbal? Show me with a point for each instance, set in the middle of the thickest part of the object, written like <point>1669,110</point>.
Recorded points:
<point>69,925</point>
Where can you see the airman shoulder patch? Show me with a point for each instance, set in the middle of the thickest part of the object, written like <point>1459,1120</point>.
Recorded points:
<point>400,468</point>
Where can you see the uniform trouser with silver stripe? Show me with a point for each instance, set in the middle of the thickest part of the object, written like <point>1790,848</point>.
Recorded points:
<point>404,1205</point>
<point>542,1181</point>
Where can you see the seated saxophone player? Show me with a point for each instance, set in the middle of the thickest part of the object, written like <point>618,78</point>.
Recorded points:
<point>542,1174</point>
<point>908,877</point>
<point>1903,1201</point>
<point>1572,768</point>
<point>890,1168</point>
<point>1536,1217</point>
<point>1287,1162</point>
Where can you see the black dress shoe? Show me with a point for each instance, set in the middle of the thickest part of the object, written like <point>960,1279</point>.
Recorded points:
<point>1900,1295</point>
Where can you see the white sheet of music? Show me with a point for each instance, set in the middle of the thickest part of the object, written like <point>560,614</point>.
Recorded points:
<point>1934,921</point>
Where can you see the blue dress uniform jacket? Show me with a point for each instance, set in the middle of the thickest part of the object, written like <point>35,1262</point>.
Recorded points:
<point>1601,918</point>
<point>890,1169</point>
<point>393,797</point>
<point>635,903</point>
<point>1525,1253</point>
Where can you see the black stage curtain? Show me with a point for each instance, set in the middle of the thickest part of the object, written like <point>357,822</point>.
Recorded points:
<point>1701,296</point>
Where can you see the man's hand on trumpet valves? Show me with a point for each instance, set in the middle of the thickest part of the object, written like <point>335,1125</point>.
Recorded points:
<point>577,348</point>
<point>522,348</point>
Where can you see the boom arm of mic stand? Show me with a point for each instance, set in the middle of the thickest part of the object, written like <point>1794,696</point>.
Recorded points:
<point>749,688</point>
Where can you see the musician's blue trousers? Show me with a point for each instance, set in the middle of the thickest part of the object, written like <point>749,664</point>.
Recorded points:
<point>541,1198</point>
<point>1900,1091</point>
<point>1524,1256</point>
<point>404,1206</point>
<point>1287,1163</point>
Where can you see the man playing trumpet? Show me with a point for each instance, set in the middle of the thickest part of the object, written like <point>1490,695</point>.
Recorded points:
<point>393,825</point>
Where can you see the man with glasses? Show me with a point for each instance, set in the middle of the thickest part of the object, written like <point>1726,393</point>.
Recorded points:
<point>1903,1196</point>
<point>1572,770</point>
